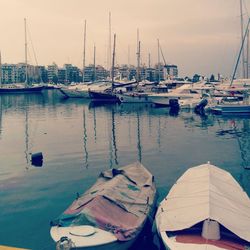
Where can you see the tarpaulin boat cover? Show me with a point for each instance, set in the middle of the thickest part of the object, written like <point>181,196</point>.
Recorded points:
<point>205,192</point>
<point>120,202</point>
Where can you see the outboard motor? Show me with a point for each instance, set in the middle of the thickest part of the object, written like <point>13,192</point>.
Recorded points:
<point>199,108</point>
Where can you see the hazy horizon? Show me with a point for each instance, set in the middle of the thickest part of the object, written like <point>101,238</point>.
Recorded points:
<point>200,36</point>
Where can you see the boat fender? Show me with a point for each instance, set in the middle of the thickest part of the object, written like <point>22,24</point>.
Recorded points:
<point>37,159</point>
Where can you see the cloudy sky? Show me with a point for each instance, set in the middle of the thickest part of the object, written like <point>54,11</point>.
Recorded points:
<point>200,36</point>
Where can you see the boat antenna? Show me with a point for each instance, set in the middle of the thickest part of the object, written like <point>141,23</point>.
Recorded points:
<point>241,48</point>
<point>84,53</point>
<point>113,63</point>
<point>25,45</point>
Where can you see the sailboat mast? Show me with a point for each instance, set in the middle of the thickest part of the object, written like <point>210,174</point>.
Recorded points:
<point>241,49</point>
<point>247,55</point>
<point>0,69</point>
<point>128,76</point>
<point>113,63</point>
<point>158,45</point>
<point>109,46</point>
<point>138,58</point>
<point>94,64</point>
<point>243,54</point>
<point>84,53</point>
<point>25,45</point>
<point>138,62</point>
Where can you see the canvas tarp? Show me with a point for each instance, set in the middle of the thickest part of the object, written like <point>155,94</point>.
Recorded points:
<point>205,192</point>
<point>120,201</point>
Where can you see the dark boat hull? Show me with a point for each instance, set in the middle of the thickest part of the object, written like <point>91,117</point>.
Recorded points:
<point>21,90</point>
<point>103,97</point>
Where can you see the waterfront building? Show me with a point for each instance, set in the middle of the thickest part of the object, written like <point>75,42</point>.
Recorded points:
<point>53,73</point>
<point>101,73</point>
<point>92,73</point>
<point>62,76</point>
<point>43,74</point>
<point>9,73</point>
<point>170,71</point>
<point>72,73</point>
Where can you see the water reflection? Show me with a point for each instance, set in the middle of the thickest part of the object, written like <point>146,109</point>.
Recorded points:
<point>85,140</point>
<point>139,147</point>
<point>238,129</point>
<point>114,149</point>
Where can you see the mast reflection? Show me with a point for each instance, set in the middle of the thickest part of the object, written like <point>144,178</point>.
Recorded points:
<point>139,147</point>
<point>112,142</point>
<point>86,164</point>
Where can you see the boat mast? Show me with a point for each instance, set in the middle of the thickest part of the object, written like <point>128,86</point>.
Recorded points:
<point>84,53</point>
<point>243,54</point>
<point>94,64</point>
<point>138,58</point>
<point>247,56</point>
<point>241,49</point>
<point>25,45</point>
<point>0,69</point>
<point>128,76</point>
<point>113,63</point>
<point>158,45</point>
<point>109,47</point>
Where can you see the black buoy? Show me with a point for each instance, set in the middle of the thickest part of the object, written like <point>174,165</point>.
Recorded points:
<point>37,159</point>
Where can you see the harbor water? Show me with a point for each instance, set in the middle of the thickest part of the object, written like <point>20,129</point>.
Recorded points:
<point>78,139</point>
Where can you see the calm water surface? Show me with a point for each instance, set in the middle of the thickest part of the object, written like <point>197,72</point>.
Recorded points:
<point>78,140</point>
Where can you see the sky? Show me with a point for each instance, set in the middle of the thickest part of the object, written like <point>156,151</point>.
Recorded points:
<point>199,36</point>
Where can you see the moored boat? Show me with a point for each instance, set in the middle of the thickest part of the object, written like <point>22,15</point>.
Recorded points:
<point>111,214</point>
<point>20,89</point>
<point>205,209</point>
<point>233,107</point>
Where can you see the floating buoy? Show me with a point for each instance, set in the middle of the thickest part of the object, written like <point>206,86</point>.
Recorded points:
<point>37,159</point>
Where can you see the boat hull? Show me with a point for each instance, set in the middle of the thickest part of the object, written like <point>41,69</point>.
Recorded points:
<point>134,98</point>
<point>231,109</point>
<point>103,97</point>
<point>74,93</point>
<point>21,90</point>
<point>198,243</point>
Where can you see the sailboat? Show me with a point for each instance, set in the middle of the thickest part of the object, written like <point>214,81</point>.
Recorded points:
<point>108,95</point>
<point>20,88</point>
<point>238,107</point>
